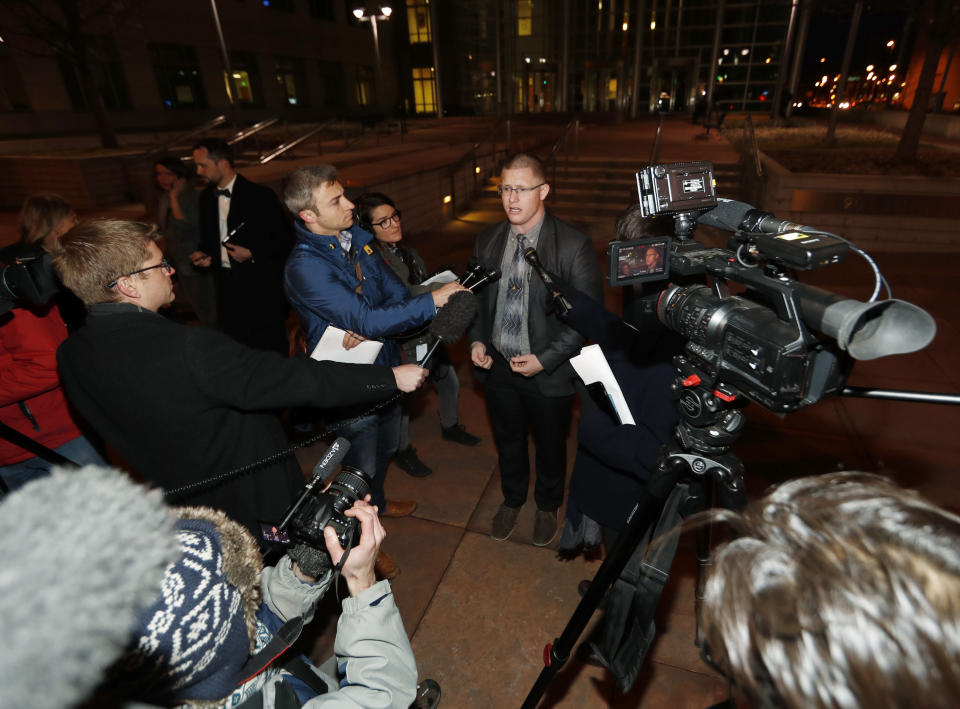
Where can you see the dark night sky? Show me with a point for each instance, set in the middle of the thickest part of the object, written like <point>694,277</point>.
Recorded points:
<point>827,37</point>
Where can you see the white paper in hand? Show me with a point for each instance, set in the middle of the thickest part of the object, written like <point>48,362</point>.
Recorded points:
<point>592,367</point>
<point>331,349</point>
<point>442,277</point>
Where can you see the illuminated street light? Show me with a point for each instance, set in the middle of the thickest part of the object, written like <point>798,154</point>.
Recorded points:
<point>382,13</point>
<point>890,44</point>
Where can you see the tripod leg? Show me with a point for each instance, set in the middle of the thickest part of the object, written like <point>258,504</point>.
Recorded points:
<point>645,515</point>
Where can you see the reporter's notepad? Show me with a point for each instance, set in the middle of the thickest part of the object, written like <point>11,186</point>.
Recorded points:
<point>442,277</point>
<point>592,367</point>
<point>331,349</point>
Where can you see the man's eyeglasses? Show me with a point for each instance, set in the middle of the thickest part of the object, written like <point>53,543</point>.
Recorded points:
<point>388,221</point>
<point>516,190</point>
<point>164,264</point>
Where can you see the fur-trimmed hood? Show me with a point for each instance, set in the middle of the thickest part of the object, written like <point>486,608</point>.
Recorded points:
<point>191,643</point>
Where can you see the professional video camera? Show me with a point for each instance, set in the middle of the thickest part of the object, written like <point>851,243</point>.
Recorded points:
<point>303,523</point>
<point>27,278</point>
<point>767,342</point>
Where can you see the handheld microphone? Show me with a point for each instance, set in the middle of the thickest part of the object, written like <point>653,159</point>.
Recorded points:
<point>478,275</point>
<point>452,320</point>
<point>531,257</point>
<point>327,463</point>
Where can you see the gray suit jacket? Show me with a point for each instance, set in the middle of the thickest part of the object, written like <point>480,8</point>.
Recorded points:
<point>565,252</point>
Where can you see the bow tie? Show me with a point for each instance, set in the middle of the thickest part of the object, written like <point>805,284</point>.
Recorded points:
<point>224,193</point>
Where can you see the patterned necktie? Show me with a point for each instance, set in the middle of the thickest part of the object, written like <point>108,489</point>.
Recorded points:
<point>511,321</point>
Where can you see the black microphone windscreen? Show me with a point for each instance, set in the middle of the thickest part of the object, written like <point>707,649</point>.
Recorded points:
<point>727,215</point>
<point>453,318</point>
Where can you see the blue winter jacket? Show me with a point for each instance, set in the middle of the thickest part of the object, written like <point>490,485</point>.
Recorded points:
<point>321,285</point>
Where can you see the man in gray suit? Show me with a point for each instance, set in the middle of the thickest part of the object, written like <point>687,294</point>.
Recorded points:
<point>522,349</point>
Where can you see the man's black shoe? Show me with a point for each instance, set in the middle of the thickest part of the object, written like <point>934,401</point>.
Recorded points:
<point>457,434</point>
<point>408,461</point>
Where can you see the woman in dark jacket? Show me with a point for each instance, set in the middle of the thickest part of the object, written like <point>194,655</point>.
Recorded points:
<point>377,214</point>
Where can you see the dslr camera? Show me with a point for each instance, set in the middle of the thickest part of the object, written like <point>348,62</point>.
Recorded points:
<point>301,529</point>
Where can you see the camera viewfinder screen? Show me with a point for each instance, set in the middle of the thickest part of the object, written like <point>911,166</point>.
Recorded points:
<point>641,260</point>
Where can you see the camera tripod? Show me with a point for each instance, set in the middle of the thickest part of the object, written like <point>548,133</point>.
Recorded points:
<point>699,454</point>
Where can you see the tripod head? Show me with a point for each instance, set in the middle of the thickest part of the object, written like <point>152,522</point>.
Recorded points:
<point>711,420</point>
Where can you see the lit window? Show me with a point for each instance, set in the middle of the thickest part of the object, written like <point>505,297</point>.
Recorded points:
<point>244,87</point>
<point>418,21</point>
<point>524,18</point>
<point>366,93</point>
<point>424,90</point>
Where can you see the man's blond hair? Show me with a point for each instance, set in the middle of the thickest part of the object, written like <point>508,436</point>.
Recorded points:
<point>98,252</point>
<point>301,183</point>
<point>522,160</point>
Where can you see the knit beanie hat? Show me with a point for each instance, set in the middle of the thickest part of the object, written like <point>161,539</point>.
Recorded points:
<point>191,643</point>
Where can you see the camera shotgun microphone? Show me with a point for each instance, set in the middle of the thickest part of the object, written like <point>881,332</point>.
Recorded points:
<point>327,464</point>
<point>531,257</point>
<point>732,215</point>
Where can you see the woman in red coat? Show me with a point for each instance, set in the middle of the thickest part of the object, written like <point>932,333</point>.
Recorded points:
<point>31,400</point>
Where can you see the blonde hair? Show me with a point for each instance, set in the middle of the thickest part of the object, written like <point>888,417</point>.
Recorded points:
<point>40,215</point>
<point>98,252</point>
<point>842,590</point>
<point>522,160</point>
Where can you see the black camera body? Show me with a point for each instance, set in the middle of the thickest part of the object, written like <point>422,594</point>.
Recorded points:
<point>780,343</point>
<point>303,524</point>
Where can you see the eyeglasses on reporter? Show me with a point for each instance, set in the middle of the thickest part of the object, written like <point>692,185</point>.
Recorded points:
<point>516,190</point>
<point>164,264</point>
<point>387,222</point>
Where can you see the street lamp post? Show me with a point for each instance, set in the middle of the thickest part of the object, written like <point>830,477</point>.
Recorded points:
<point>383,13</point>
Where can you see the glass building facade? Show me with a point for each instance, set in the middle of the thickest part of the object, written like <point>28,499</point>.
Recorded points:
<point>582,55</point>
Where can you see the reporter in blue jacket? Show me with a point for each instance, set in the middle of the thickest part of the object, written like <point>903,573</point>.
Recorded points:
<point>333,276</point>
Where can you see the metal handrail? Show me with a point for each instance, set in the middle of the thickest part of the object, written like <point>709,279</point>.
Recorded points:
<point>284,147</point>
<point>551,161</point>
<point>473,156</point>
<point>655,149</point>
<point>212,123</point>
<point>252,130</point>
<point>751,137</point>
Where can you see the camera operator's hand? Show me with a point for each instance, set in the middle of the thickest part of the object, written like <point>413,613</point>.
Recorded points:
<point>409,376</point>
<point>358,568</point>
<point>527,365</point>
<point>479,356</point>
<point>442,295</point>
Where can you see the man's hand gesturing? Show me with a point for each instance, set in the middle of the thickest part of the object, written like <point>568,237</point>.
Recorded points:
<point>479,356</point>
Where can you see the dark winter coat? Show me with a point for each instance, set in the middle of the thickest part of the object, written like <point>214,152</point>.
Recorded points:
<point>182,404</point>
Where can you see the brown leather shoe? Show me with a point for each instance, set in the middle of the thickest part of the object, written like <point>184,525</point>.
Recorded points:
<point>385,567</point>
<point>399,508</point>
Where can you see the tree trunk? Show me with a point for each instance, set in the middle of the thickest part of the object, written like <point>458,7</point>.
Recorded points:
<point>108,137</point>
<point>938,16</point>
<point>830,138</point>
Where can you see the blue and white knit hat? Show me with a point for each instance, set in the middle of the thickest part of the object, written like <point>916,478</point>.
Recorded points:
<point>190,645</point>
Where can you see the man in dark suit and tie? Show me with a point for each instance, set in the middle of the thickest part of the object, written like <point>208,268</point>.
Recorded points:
<point>245,238</point>
<point>523,349</point>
